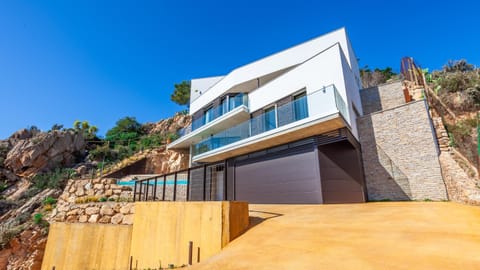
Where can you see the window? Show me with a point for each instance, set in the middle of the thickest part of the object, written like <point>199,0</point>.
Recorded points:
<point>208,116</point>
<point>270,118</point>
<point>224,105</point>
<point>300,106</point>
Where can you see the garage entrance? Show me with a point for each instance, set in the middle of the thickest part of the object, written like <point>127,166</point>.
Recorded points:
<point>286,177</point>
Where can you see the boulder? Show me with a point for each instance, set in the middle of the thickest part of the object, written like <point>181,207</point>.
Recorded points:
<point>106,210</point>
<point>127,220</point>
<point>126,209</point>
<point>93,219</point>
<point>83,219</point>
<point>117,219</point>
<point>104,219</point>
<point>92,210</point>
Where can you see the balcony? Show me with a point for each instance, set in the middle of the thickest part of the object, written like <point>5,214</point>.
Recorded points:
<point>232,110</point>
<point>305,116</point>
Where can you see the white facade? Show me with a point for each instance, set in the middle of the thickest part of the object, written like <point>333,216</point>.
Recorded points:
<point>325,69</point>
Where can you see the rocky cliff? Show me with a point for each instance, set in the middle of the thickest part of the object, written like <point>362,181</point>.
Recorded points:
<point>25,208</point>
<point>45,151</point>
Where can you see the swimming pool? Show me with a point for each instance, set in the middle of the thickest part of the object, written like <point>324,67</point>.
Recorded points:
<point>152,182</point>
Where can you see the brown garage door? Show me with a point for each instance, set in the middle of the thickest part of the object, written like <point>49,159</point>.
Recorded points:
<point>282,178</point>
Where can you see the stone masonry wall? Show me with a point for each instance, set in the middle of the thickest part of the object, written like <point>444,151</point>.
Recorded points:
<point>95,201</point>
<point>400,154</point>
<point>382,97</point>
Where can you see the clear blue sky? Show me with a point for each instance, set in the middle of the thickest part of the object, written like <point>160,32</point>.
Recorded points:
<point>103,60</point>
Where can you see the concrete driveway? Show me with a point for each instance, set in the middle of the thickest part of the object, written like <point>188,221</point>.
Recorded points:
<point>386,235</point>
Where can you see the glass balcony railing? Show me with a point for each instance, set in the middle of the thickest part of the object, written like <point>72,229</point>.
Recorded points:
<point>322,103</point>
<point>228,104</point>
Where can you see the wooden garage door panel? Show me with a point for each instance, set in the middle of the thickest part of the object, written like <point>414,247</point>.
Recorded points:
<point>287,178</point>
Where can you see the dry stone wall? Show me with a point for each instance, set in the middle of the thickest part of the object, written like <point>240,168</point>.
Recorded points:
<point>400,154</point>
<point>95,201</point>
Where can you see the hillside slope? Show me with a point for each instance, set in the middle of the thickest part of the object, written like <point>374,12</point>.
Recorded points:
<point>34,168</point>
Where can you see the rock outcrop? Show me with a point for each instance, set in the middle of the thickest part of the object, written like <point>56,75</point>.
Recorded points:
<point>25,251</point>
<point>152,161</point>
<point>44,151</point>
<point>169,125</point>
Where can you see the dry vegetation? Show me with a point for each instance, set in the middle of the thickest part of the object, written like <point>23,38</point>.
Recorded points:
<point>458,86</point>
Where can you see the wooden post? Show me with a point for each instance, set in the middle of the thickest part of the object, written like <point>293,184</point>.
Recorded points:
<point>187,197</point>
<point>190,252</point>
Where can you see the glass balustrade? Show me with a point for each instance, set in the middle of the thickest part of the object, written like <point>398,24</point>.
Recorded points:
<point>227,104</point>
<point>322,103</point>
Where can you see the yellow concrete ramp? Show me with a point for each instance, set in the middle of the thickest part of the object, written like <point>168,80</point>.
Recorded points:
<point>387,235</point>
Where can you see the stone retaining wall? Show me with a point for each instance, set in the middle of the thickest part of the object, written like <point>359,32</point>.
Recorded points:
<point>382,97</point>
<point>102,212</point>
<point>95,201</point>
<point>400,154</point>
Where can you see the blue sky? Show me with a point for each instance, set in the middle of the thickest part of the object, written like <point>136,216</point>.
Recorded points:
<point>102,60</point>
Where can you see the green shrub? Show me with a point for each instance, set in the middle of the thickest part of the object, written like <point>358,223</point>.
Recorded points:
<point>102,199</point>
<point>38,218</point>
<point>102,152</point>
<point>49,201</point>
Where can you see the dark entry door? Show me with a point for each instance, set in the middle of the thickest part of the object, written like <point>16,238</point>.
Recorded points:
<point>341,173</point>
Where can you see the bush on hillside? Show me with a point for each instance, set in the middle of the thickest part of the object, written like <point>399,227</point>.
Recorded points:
<point>458,85</point>
<point>377,76</point>
<point>126,129</point>
<point>55,179</point>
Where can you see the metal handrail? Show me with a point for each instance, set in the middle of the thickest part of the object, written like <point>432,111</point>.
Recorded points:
<point>138,187</point>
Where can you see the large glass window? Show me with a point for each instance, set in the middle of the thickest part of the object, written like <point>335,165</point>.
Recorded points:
<point>208,115</point>
<point>270,118</point>
<point>224,106</point>
<point>300,106</point>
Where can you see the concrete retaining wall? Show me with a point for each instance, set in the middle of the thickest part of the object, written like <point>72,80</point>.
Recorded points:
<point>160,234</point>
<point>162,231</point>
<point>87,246</point>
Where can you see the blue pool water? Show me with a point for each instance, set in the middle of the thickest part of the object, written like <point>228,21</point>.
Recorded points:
<point>152,182</point>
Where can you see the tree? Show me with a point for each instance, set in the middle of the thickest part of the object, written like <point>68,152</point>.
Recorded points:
<point>89,131</point>
<point>126,129</point>
<point>458,65</point>
<point>57,127</point>
<point>377,76</point>
<point>181,93</point>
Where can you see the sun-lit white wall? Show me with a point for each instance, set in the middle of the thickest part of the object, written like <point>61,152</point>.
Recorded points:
<point>202,85</point>
<point>287,58</point>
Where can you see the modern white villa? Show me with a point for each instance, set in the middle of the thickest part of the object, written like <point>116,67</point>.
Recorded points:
<point>279,130</point>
